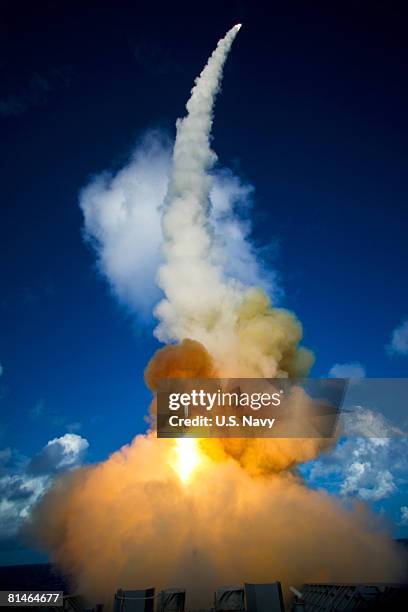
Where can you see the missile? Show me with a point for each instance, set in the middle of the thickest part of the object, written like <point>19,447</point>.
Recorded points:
<point>238,27</point>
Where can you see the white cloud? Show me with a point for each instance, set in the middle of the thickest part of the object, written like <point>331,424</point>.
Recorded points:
<point>72,447</point>
<point>363,422</point>
<point>122,221</point>
<point>399,339</point>
<point>59,453</point>
<point>22,483</point>
<point>368,464</point>
<point>353,369</point>
<point>404,515</point>
<point>365,475</point>
<point>19,493</point>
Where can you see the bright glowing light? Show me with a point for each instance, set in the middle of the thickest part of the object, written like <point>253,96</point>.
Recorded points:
<point>187,457</point>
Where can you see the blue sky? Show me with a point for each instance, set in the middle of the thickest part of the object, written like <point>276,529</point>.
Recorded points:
<point>312,115</point>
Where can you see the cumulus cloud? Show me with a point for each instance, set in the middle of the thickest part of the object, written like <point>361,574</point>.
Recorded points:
<point>363,422</point>
<point>58,454</point>
<point>122,222</point>
<point>367,464</point>
<point>366,474</point>
<point>404,515</point>
<point>18,492</point>
<point>353,369</point>
<point>23,481</point>
<point>399,339</point>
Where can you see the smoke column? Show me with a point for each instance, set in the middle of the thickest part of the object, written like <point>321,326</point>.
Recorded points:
<point>199,514</point>
<point>244,335</point>
<point>190,279</point>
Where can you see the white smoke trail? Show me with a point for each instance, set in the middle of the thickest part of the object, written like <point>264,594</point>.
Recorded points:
<point>242,332</point>
<point>190,279</point>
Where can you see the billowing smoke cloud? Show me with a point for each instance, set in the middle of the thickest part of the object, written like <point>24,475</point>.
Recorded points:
<point>122,217</point>
<point>199,514</point>
<point>130,522</point>
<point>122,222</point>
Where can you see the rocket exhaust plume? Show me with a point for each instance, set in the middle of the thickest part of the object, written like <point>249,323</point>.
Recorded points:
<point>244,335</point>
<point>201,513</point>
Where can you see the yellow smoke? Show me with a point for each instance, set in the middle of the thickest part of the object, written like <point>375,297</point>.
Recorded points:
<point>140,519</point>
<point>257,340</point>
<point>201,513</point>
